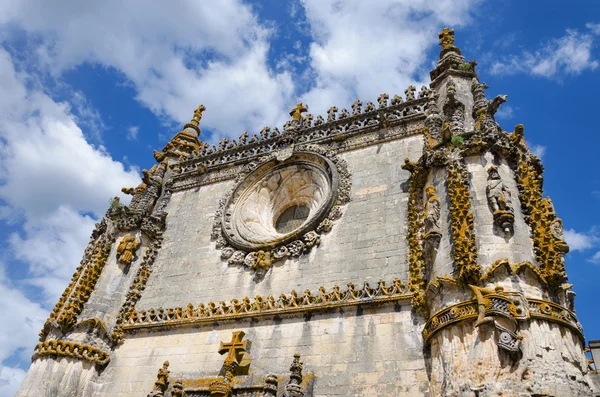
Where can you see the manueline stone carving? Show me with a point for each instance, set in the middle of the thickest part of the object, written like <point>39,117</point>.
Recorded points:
<point>431,221</point>
<point>162,381</point>
<point>282,210</point>
<point>494,306</point>
<point>499,200</point>
<point>454,110</point>
<point>127,248</point>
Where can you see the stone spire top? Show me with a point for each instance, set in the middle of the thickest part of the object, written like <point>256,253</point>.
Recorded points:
<point>446,37</point>
<point>451,61</point>
<point>195,122</point>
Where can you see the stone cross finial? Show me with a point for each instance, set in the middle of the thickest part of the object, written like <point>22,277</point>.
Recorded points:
<point>383,100</point>
<point>331,113</point>
<point>356,107</point>
<point>233,348</point>
<point>410,92</point>
<point>198,115</point>
<point>297,111</point>
<point>446,37</point>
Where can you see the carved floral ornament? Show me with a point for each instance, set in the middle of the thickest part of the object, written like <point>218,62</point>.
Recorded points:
<point>281,206</point>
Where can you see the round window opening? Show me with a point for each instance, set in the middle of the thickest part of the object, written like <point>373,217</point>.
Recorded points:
<point>280,201</point>
<point>292,218</point>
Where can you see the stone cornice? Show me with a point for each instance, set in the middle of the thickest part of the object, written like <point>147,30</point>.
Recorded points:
<point>269,306</point>
<point>359,130</point>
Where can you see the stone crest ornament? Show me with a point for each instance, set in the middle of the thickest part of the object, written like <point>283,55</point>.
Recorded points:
<point>280,207</point>
<point>127,248</point>
<point>502,309</point>
<point>499,200</point>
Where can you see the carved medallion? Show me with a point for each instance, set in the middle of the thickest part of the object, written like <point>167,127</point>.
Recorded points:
<point>280,207</point>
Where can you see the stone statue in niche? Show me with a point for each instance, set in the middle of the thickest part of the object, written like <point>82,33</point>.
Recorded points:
<point>431,220</point>
<point>499,200</point>
<point>127,248</point>
<point>432,212</point>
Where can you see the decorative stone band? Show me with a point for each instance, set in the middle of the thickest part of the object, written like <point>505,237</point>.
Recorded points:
<point>71,349</point>
<point>259,306</point>
<point>535,309</point>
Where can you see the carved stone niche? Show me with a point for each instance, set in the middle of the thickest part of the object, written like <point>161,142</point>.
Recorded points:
<point>280,208</point>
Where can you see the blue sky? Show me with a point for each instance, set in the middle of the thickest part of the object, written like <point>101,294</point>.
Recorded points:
<point>90,90</point>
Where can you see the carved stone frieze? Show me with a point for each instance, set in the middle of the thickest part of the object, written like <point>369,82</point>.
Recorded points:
<point>267,306</point>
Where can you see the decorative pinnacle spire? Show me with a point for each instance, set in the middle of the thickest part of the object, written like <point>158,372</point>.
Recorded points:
<point>297,111</point>
<point>198,115</point>
<point>446,37</point>
<point>195,122</point>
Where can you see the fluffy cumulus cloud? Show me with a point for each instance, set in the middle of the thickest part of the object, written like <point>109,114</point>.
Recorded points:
<point>585,242</point>
<point>176,56</point>
<point>570,54</point>
<point>361,49</point>
<point>52,184</point>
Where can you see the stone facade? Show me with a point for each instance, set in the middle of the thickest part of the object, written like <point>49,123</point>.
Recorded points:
<point>419,258</point>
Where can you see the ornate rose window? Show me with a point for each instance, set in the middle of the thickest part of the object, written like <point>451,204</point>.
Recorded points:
<point>280,208</point>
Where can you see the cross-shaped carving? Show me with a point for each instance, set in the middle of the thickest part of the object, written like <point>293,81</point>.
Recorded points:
<point>233,348</point>
<point>446,37</point>
<point>297,111</point>
<point>198,115</point>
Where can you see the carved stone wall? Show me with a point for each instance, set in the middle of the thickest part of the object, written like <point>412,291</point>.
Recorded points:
<point>371,351</point>
<point>366,243</point>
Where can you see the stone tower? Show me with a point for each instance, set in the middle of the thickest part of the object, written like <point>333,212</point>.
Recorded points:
<point>402,248</point>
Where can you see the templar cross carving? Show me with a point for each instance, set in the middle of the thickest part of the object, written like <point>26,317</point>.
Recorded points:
<point>233,348</point>
<point>446,37</point>
<point>297,111</point>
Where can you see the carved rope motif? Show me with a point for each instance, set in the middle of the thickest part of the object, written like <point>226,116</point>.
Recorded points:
<point>70,349</point>
<point>259,306</point>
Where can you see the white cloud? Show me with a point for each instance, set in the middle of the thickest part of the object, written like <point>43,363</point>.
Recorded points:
<point>132,132</point>
<point>594,28</point>
<point>10,380</point>
<point>538,150</point>
<point>505,112</point>
<point>568,55</point>
<point>595,258</point>
<point>176,57</point>
<point>585,241</point>
<point>19,328</point>
<point>362,49</point>
<point>50,176</point>
<point>579,241</point>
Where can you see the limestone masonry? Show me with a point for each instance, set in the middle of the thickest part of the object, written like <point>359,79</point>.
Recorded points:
<point>402,248</point>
